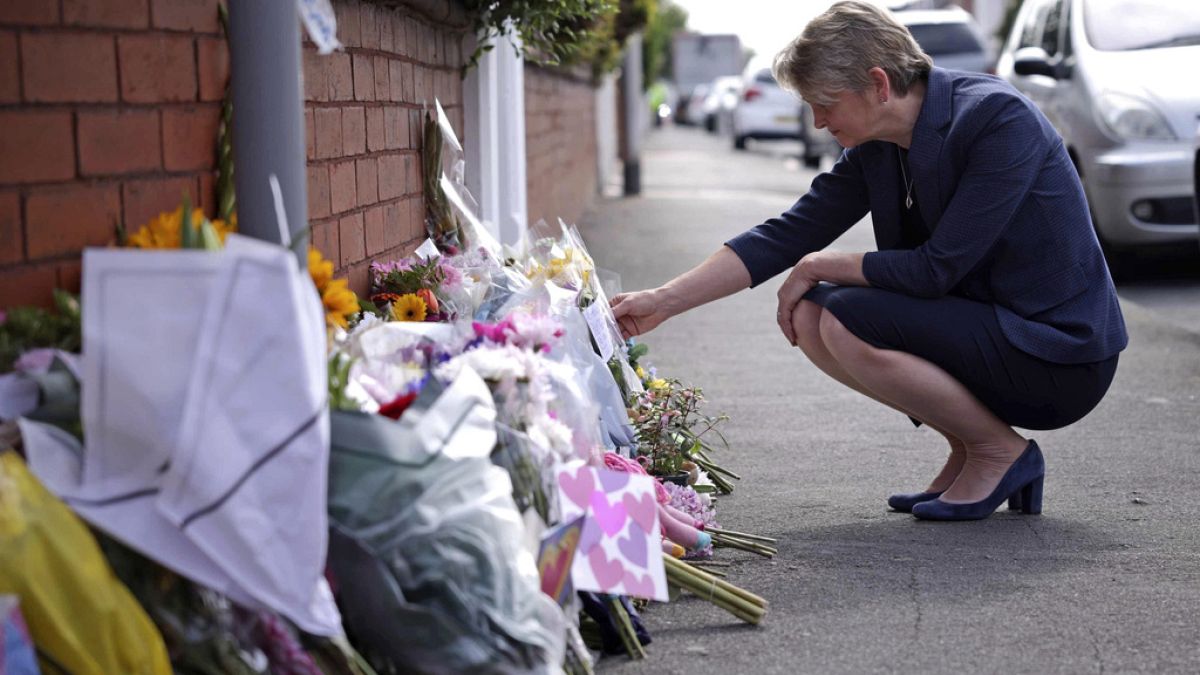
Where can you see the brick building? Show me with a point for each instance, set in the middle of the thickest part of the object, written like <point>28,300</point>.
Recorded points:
<point>109,111</point>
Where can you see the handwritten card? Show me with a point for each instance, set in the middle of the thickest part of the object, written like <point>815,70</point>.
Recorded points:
<point>619,546</point>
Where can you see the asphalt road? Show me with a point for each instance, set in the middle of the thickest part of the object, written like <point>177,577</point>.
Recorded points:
<point>1107,580</point>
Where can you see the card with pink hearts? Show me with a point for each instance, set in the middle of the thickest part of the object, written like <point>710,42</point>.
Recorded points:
<point>619,547</point>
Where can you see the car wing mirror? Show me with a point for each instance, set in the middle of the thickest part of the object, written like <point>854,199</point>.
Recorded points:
<point>1032,61</point>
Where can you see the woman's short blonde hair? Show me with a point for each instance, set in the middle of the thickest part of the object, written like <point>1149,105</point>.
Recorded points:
<point>836,49</point>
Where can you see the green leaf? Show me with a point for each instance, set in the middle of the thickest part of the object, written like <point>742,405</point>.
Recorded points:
<point>209,239</point>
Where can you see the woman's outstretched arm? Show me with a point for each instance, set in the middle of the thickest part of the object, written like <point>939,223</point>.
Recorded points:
<point>722,274</point>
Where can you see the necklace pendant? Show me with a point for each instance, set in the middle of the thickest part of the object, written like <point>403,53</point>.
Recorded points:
<point>908,201</point>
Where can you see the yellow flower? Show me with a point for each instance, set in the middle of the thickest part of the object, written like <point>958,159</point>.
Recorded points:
<point>658,383</point>
<point>319,268</point>
<point>340,302</point>
<point>165,230</point>
<point>641,373</point>
<point>409,307</point>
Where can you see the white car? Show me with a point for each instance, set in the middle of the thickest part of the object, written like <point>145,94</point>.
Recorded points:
<point>951,37</point>
<point>766,111</point>
<point>722,98</point>
<point>1115,77</point>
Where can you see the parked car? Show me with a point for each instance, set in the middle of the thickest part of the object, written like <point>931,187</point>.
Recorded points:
<point>1115,77</point>
<point>721,100</point>
<point>1196,182</point>
<point>766,111</point>
<point>951,37</point>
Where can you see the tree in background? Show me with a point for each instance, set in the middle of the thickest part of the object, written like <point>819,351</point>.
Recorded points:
<point>656,52</point>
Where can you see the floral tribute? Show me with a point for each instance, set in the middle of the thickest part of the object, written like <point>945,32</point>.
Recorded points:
<point>457,392</point>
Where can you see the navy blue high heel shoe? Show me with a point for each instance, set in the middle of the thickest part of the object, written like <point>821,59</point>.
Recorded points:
<point>1021,486</point>
<point>904,502</point>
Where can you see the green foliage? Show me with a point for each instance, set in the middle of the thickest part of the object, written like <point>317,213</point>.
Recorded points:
<point>26,328</point>
<point>656,54</point>
<point>420,275</point>
<point>562,32</point>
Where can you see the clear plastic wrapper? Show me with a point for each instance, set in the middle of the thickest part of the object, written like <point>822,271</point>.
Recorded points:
<point>426,542</point>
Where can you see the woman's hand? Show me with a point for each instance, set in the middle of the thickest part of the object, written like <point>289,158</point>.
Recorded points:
<point>640,312</point>
<point>801,279</point>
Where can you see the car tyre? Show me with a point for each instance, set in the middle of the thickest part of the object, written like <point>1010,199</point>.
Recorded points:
<point>739,142</point>
<point>812,161</point>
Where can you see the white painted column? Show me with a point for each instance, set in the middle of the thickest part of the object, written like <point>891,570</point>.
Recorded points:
<point>494,96</point>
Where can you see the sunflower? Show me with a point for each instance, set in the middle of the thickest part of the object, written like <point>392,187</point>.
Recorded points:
<point>165,230</point>
<point>340,302</point>
<point>409,307</point>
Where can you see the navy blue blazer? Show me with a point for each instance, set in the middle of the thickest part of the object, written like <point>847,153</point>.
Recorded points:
<point>1009,223</point>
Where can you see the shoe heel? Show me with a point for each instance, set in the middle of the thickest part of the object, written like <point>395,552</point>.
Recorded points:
<point>1031,497</point>
<point>1014,501</point>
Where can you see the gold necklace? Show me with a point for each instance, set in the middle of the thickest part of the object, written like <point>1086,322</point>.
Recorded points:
<point>908,185</point>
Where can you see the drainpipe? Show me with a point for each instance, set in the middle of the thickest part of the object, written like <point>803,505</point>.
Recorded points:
<point>268,119</point>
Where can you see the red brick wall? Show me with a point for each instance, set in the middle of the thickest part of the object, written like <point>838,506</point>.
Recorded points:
<point>560,144</point>
<point>363,112</point>
<point>108,114</point>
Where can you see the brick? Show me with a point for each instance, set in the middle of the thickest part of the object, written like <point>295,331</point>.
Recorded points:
<point>395,81</point>
<point>212,59</point>
<point>341,77</point>
<point>10,76</point>
<point>400,45</point>
<point>310,135</point>
<point>63,220</point>
<point>367,181</point>
<point>157,68</point>
<point>391,177</point>
<point>36,146</point>
<point>395,221</point>
<point>328,123</point>
<point>68,68</point>
<point>27,285</point>
<point>145,199</point>
<point>343,194</point>
<point>387,30</point>
<point>116,142</point>
<point>318,192</point>
<point>383,79</point>
<point>395,128</point>
<point>376,135</point>
<point>107,14</point>
<point>348,27</point>
<point>207,201</point>
<point>408,76</point>
<point>358,276</point>
<point>197,16</point>
<point>325,239</point>
<point>354,131</point>
<point>316,76</point>
<point>364,78</point>
<point>351,239</point>
<point>419,93</point>
<point>368,23</point>
<point>374,233</point>
<point>190,138</point>
<point>70,275</point>
<point>29,12</point>
<point>12,239</point>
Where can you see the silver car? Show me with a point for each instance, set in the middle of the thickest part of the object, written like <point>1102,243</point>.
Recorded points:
<point>1117,79</point>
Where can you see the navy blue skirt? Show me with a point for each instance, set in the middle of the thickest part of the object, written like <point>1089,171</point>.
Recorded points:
<point>964,338</point>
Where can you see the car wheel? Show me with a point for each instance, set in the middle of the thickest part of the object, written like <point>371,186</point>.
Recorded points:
<point>812,161</point>
<point>739,142</point>
<point>710,124</point>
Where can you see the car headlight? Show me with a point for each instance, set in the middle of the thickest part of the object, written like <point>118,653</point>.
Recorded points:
<point>1132,119</point>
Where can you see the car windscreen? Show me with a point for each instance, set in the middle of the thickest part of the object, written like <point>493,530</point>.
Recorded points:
<point>1120,25</point>
<point>764,76</point>
<point>939,39</point>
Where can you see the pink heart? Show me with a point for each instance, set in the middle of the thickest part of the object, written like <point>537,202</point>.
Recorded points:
<point>590,535</point>
<point>608,573</point>
<point>638,586</point>
<point>578,488</point>
<point>643,510</point>
<point>611,518</point>
<point>612,480</point>
<point>633,547</point>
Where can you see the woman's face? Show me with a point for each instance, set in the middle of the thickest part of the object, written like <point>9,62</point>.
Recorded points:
<point>850,118</point>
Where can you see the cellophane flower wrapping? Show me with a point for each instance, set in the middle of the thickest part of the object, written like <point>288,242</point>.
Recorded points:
<point>684,498</point>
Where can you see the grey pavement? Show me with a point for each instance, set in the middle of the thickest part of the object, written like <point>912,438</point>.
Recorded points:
<point>1106,580</point>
